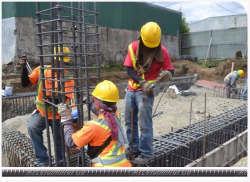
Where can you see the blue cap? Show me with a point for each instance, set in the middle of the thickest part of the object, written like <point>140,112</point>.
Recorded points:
<point>74,114</point>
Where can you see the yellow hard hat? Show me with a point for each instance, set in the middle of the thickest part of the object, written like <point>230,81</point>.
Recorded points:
<point>106,91</point>
<point>65,51</point>
<point>241,73</point>
<point>151,34</point>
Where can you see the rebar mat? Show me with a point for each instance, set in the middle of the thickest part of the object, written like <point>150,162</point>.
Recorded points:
<point>175,149</point>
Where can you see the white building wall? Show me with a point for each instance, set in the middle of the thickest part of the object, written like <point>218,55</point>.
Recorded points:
<point>8,39</point>
<point>222,22</point>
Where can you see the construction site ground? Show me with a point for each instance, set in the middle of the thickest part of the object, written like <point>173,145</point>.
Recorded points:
<point>176,111</point>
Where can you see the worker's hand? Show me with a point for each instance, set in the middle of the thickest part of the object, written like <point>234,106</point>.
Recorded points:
<point>64,111</point>
<point>22,60</point>
<point>164,76</point>
<point>147,87</point>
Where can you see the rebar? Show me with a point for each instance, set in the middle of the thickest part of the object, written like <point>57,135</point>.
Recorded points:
<point>204,132</point>
<point>43,82</point>
<point>71,26</point>
<point>218,129</point>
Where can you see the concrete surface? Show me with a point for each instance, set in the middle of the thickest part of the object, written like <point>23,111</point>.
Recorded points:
<point>224,155</point>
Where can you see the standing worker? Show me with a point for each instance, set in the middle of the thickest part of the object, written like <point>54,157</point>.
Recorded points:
<point>104,135</point>
<point>230,81</point>
<point>37,122</point>
<point>145,59</point>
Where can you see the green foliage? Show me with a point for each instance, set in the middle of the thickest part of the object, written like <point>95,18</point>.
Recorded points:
<point>243,66</point>
<point>200,63</point>
<point>114,67</point>
<point>209,64</point>
<point>184,26</point>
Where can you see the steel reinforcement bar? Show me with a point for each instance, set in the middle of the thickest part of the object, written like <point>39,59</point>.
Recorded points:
<point>175,149</point>
<point>73,25</point>
<point>181,147</point>
<point>17,104</point>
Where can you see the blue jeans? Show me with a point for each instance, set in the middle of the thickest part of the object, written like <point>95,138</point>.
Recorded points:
<point>142,115</point>
<point>244,91</point>
<point>35,129</point>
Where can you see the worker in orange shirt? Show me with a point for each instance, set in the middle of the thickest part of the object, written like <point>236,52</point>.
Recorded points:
<point>37,122</point>
<point>104,136</point>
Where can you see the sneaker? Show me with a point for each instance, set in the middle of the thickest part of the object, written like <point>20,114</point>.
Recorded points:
<point>128,153</point>
<point>142,160</point>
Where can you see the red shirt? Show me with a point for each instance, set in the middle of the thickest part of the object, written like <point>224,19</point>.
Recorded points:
<point>155,68</point>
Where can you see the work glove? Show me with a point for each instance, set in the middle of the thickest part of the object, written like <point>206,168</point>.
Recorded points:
<point>164,76</point>
<point>147,87</point>
<point>64,110</point>
<point>22,60</point>
<point>49,99</point>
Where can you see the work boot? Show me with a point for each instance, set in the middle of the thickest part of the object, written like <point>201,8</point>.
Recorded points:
<point>142,160</point>
<point>128,153</point>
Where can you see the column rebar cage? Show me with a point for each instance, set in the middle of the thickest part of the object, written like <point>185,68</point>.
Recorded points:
<point>74,27</point>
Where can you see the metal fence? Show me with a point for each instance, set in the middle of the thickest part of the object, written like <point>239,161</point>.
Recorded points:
<point>17,104</point>
<point>224,43</point>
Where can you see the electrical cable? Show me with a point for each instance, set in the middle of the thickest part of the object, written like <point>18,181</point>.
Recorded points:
<point>227,9</point>
<point>163,5</point>
<point>238,6</point>
<point>209,9</point>
<point>173,4</point>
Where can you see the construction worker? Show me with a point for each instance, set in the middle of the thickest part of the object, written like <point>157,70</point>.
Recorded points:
<point>37,122</point>
<point>244,93</point>
<point>145,59</point>
<point>104,135</point>
<point>230,81</point>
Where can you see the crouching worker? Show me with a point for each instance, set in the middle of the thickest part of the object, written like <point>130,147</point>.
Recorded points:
<point>104,135</point>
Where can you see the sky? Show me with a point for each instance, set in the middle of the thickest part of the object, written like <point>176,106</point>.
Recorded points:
<point>196,10</point>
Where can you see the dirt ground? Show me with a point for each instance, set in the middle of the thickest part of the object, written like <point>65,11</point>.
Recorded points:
<point>176,111</point>
<point>182,68</point>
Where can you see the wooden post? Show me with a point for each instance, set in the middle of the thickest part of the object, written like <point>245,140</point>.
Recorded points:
<point>232,69</point>
<point>208,50</point>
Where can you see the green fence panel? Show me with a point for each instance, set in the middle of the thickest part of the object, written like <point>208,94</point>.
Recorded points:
<point>121,15</point>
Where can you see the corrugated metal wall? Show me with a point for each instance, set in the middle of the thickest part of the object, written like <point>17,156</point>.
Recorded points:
<point>8,9</point>
<point>122,15</point>
<point>224,43</point>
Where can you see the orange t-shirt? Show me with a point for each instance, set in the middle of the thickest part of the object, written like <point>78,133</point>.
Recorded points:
<point>96,136</point>
<point>34,77</point>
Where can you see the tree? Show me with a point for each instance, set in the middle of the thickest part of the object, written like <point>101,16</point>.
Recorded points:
<point>184,25</point>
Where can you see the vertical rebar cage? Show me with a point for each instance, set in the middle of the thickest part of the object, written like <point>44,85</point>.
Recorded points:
<point>72,25</point>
